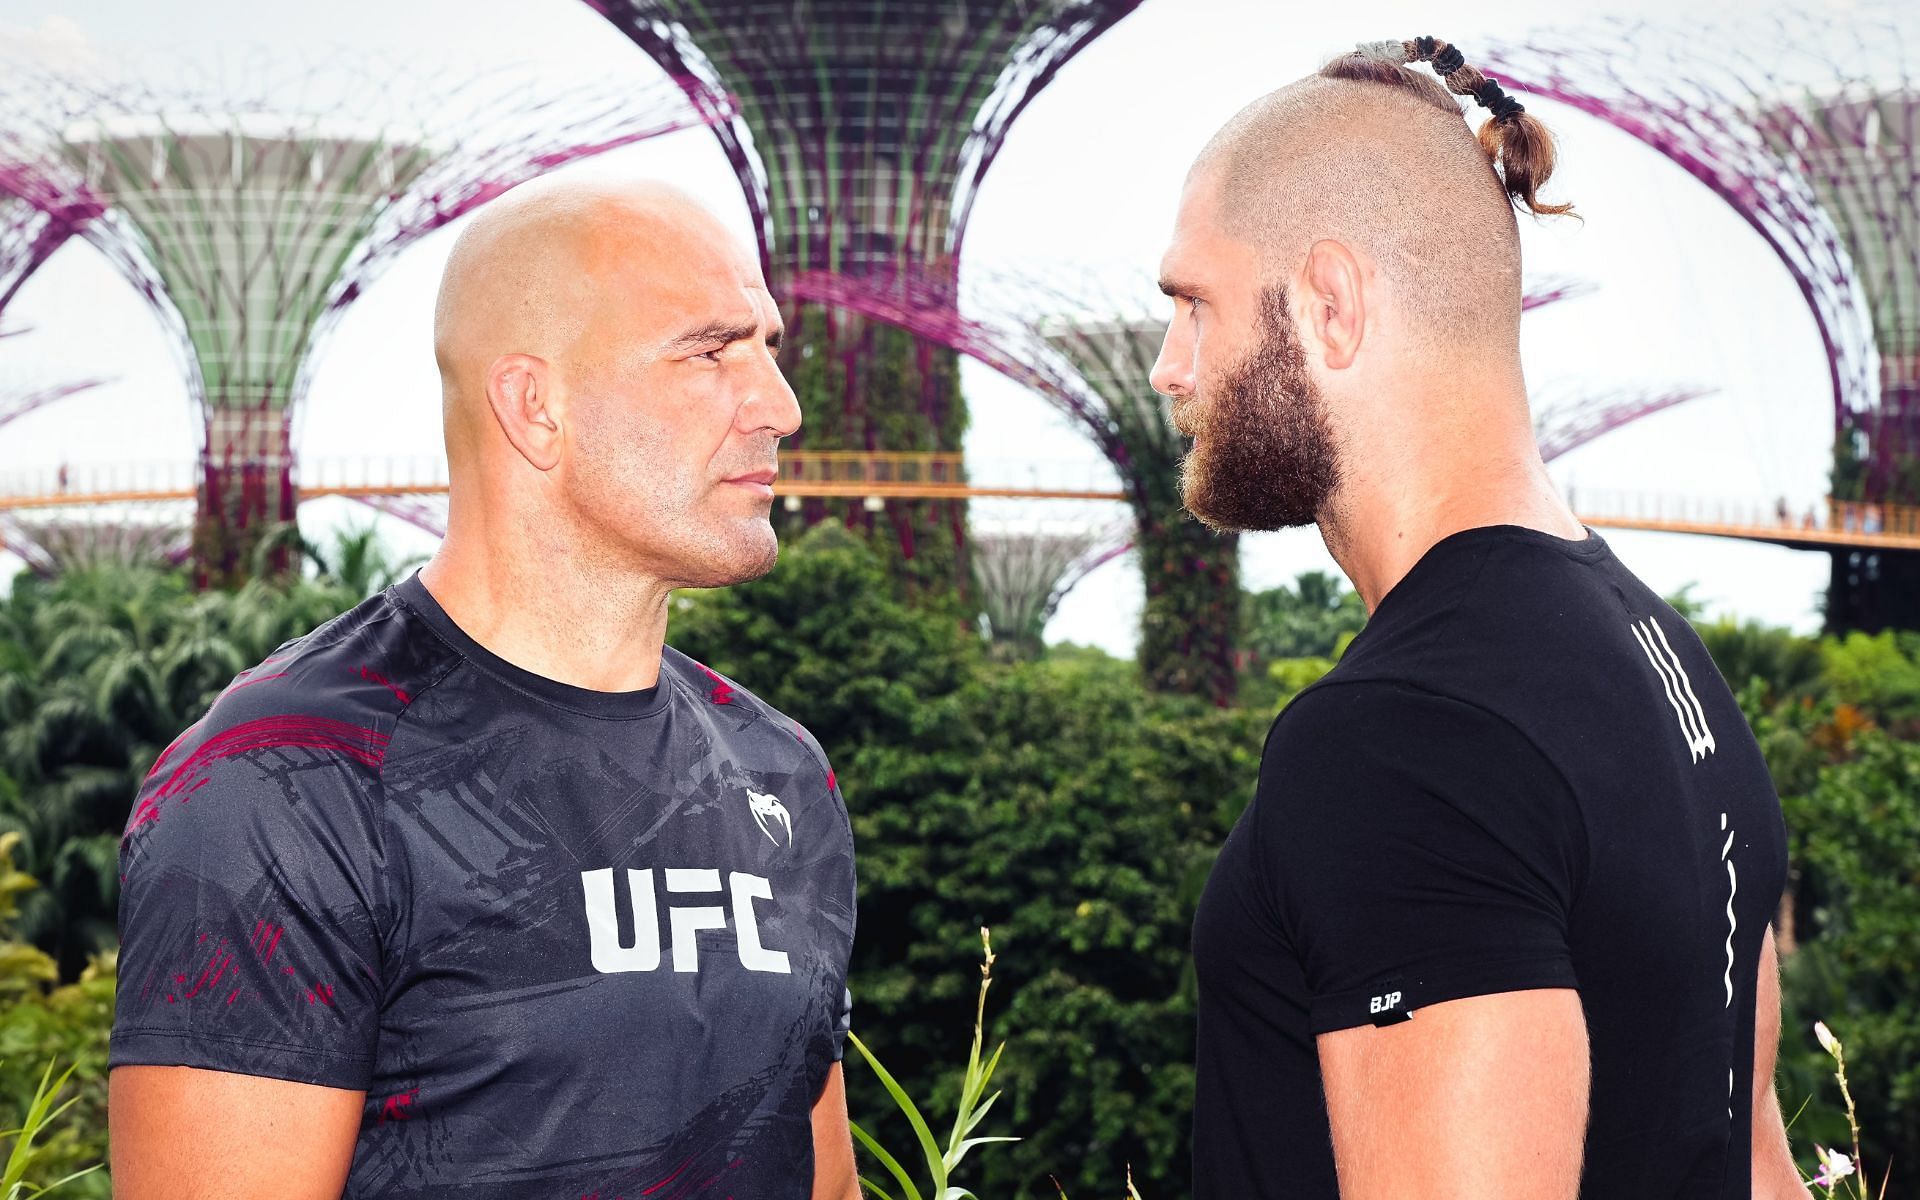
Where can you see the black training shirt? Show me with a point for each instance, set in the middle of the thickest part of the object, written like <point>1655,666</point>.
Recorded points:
<point>570,943</point>
<point>1525,773</point>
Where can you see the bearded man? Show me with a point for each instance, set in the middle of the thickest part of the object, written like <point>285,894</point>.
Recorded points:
<point>1496,921</point>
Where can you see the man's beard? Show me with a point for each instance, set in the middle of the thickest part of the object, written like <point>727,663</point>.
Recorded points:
<point>1263,455</point>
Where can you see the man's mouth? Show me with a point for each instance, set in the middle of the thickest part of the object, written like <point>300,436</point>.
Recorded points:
<point>760,483</point>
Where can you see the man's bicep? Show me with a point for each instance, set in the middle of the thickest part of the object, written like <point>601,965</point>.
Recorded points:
<point>1485,1096</point>
<point>184,1133</point>
<point>834,1174</point>
<point>1775,1176</point>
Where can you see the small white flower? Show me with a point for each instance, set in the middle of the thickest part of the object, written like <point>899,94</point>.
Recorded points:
<point>1834,1166</point>
<point>1828,1042</point>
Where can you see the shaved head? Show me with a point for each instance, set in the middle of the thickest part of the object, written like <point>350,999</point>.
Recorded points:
<point>608,381</point>
<point>1392,172</point>
<point>539,272</point>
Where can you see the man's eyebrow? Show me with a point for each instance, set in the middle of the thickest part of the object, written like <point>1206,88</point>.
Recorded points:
<point>725,332</point>
<point>1176,289</point>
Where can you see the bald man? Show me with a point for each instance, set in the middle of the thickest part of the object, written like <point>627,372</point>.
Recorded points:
<point>478,889</point>
<point>1495,923</point>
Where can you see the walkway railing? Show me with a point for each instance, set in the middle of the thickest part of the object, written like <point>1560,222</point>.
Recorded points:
<point>881,476</point>
<point>1825,524</point>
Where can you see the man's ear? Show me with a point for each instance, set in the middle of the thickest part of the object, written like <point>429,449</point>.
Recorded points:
<point>520,391</point>
<point>1336,299</point>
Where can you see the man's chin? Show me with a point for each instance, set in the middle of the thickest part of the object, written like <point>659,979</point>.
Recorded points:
<point>748,552</point>
<point>1241,508</point>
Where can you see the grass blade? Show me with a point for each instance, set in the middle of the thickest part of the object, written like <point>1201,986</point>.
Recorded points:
<point>888,1161</point>
<point>936,1165</point>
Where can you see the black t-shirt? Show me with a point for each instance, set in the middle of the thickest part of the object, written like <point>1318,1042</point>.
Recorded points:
<point>1525,773</point>
<point>568,942</point>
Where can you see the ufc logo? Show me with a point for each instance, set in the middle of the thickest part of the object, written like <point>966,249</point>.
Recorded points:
<point>684,921</point>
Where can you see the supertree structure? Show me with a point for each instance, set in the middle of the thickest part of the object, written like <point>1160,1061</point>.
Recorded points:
<point>38,211</point>
<point>56,545</point>
<point>1092,359</point>
<point>29,234</point>
<point>1190,621</point>
<point>263,209</point>
<point>862,135</point>
<point>1808,131</point>
<point>1023,574</point>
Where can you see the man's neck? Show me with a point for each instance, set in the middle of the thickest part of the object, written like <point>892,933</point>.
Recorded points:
<point>551,609</point>
<point>1391,511</point>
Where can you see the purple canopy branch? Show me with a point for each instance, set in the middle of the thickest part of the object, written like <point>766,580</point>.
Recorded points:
<point>1741,131</point>
<point>1561,427</point>
<point>1540,293</point>
<point>422,512</point>
<point>13,407</point>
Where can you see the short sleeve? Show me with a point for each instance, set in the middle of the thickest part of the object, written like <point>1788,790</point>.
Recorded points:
<point>250,935</point>
<point>842,1024</point>
<point>843,1013</point>
<point>1416,849</point>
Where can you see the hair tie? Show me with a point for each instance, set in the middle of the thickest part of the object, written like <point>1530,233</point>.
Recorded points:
<point>1504,107</point>
<point>1448,61</point>
<point>1425,45</point>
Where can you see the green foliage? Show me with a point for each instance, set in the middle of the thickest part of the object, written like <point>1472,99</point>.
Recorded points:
<point>1306,620</point>
<point>1192,606</point>
<point>41,1025</point>
<point>1056,801</point>
<point>40,1116</point>
<point>99,669</point>
<point>1877,672</point>
<point>1291,636</point>
<point>1857,843</point>
<point>865,385</point>
<point>1787,665</point>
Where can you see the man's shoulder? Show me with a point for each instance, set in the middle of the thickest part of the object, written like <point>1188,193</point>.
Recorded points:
<point>330,698</point>
<point>1357,722</point>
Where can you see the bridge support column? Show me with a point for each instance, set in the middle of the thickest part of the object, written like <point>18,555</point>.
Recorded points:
<point>1873,590</point>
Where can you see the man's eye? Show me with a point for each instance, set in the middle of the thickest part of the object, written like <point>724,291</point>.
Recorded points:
<point>711,355</point>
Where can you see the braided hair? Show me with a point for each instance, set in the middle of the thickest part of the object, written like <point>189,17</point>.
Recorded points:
<point>1519,146</point>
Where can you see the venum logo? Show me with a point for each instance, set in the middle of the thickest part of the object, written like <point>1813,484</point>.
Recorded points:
<point>684,922</point>
<point>770,815</point>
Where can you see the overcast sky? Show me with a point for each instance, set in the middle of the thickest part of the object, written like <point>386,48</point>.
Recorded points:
<point>1685,293</point>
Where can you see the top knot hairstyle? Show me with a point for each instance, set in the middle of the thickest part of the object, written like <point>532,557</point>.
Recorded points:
<point>1518,145</point>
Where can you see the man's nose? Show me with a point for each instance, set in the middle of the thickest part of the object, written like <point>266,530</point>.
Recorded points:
<point>1173,371</point>
<point>772,405</point>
